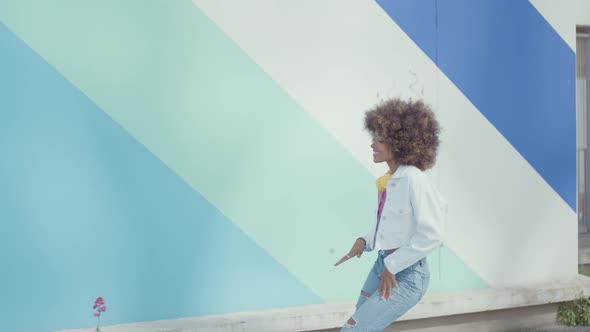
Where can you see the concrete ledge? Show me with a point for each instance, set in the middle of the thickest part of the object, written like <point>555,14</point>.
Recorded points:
<point>531,319</point>
<point>327,316</point>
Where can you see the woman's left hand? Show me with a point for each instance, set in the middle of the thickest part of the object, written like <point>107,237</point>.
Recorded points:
<point>387,282</point>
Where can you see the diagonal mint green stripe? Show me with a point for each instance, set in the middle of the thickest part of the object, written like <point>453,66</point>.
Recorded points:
<point>168,75</point>
<point>450,273</point>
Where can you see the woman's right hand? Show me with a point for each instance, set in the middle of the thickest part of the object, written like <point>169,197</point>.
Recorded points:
<point>357,250</point>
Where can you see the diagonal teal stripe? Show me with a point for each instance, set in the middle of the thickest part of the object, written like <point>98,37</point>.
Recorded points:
<point>87,211</point>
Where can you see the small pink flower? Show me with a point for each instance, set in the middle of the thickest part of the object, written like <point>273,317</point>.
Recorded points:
<point>100,307</point>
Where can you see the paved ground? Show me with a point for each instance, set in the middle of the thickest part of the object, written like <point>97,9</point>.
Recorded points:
<point>558,329</point>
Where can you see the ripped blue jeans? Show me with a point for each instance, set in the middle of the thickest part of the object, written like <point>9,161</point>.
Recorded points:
<point>373,313</point>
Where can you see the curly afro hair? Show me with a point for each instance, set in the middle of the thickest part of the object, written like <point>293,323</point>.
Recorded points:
<point>411,129</point>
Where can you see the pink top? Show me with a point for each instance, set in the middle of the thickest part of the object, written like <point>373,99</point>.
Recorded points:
<point>382,197</point>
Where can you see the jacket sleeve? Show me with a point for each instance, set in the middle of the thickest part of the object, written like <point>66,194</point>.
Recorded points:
<point>429,213</point>
<point>368,237</point>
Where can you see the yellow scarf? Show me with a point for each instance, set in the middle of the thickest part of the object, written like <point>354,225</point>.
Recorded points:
<point>382,181</point>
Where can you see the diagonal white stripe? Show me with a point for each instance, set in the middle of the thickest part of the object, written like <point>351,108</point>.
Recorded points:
<point>338,58</point>
<point>561,16</point>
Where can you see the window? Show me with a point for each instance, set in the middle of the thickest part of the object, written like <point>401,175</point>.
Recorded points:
<point>582,103</point>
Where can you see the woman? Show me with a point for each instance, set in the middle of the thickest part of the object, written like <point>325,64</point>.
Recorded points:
<point>409,218</point>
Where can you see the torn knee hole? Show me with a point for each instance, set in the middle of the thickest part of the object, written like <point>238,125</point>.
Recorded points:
<point>351,322</point>
<point>365,294</point>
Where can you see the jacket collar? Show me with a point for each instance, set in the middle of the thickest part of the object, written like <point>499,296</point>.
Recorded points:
<point>401,171</point>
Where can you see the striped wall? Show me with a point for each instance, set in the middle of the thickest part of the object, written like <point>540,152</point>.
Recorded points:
<point>187,158</point>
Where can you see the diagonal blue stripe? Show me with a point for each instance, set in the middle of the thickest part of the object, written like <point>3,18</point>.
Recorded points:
<point>87,211</point>
<point>512,65</point>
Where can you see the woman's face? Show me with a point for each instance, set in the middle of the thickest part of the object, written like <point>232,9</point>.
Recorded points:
<point>382,151</point>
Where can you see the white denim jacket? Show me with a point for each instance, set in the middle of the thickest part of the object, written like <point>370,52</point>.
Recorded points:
<point>412,219</point>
